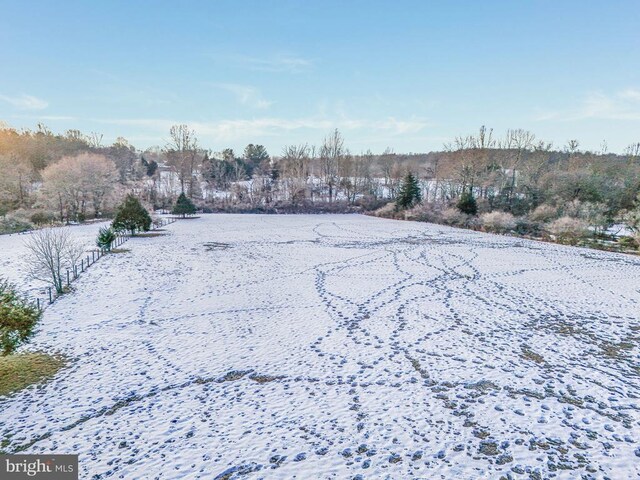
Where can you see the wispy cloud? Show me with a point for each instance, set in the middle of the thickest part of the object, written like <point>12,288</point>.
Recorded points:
<point>25,102</point>
<point>245,94</point>
<point>274,63</point>
<point>231,130</point>
<point>46,118</point>
<point>622,105</point>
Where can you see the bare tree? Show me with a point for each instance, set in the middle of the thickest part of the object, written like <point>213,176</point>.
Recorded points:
<point>73,183</point>
<point>94,139</point>
<point>295,165</point>
<point>50,252</point>
<point>16,180</point>
<point>518,142</point>
<point>184,156</point>
<point>332,153</point>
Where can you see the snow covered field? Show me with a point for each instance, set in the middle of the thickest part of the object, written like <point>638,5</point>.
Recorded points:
<point>13,250</point>
<point>328,346</point>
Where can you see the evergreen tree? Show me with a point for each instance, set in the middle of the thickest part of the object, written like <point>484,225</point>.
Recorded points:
<point>132,216</point>
<point>18,318</point>
<point>467,204</point>
<point>184,206</point>
<point>410,193</point>
<point>106,236</point>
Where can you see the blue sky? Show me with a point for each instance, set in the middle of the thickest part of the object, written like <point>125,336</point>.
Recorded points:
<point>409,75</point>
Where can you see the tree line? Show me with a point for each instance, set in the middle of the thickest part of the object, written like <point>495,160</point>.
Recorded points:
<point>73,177</point>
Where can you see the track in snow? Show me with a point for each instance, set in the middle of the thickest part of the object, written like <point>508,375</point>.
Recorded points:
<point>331,346</point>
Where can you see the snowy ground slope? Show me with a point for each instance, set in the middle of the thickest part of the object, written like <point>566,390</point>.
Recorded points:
<point>328,346</point>
<point>13,250</point>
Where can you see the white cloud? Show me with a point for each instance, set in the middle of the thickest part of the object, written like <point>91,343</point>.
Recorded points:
<point>25,102</point>
<point>231,130</point>
<point>276,63</point>
<point>622,105</point>
<point>245,94</point>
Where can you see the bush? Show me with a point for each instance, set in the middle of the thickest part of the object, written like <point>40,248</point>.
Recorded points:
<point>524,226</point>
<point>467,204</point>
<point>544,213</point>
<point>387,211</point>
<point>425,212</point>
<point>498,222</point>
<point>42,218</point>
<point>568,230</point>
<point>369,202</point>
<point>132,216</point>
<point>18,318</point>
<point>454,217</point>
<point>157,222</point>
<point>106,237</point>
<point>629,242</point>
<point>14,225</point>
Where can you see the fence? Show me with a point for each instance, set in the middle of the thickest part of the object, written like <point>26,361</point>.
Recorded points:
<point>74,272</point>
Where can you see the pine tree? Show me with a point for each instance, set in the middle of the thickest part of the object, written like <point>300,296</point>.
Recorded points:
<point>184,206</point>
<point>467,204</point>
<point>410,193</point>
<point>106,237</point>
<point>132,216</point>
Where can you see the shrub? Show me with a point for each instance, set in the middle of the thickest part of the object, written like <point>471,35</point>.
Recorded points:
<point>106,237</point>
<point>387,211</point>
<point>18,318</point>
<point>524,226</point>
<point>454,217</point>
<point>568,230</point>
<point>132,216</point>
<point>498,221</point>
<point>425,212</point>
<point>544,213</point>
<point>42,218</point>
<point>467,204</point>
<point>629,242</point>
<point>484,205</point>
<point>369,202</point>
<point>14,225</point>
<point>157,222</point>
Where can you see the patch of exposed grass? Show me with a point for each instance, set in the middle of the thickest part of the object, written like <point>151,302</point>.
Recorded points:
<point>266,378</point>
<point>529,354</point>
<point>616,350</point>
<point>120,250</point>
<point>22,370</point>
<point>233,375</point>
<point>148,235</point>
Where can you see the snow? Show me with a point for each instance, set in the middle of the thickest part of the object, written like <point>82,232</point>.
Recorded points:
<point>13,250</point>
<point>332,346</point>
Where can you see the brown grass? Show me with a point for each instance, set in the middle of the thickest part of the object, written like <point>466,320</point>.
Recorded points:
<point>22,370</point>
<point>148,235</point>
